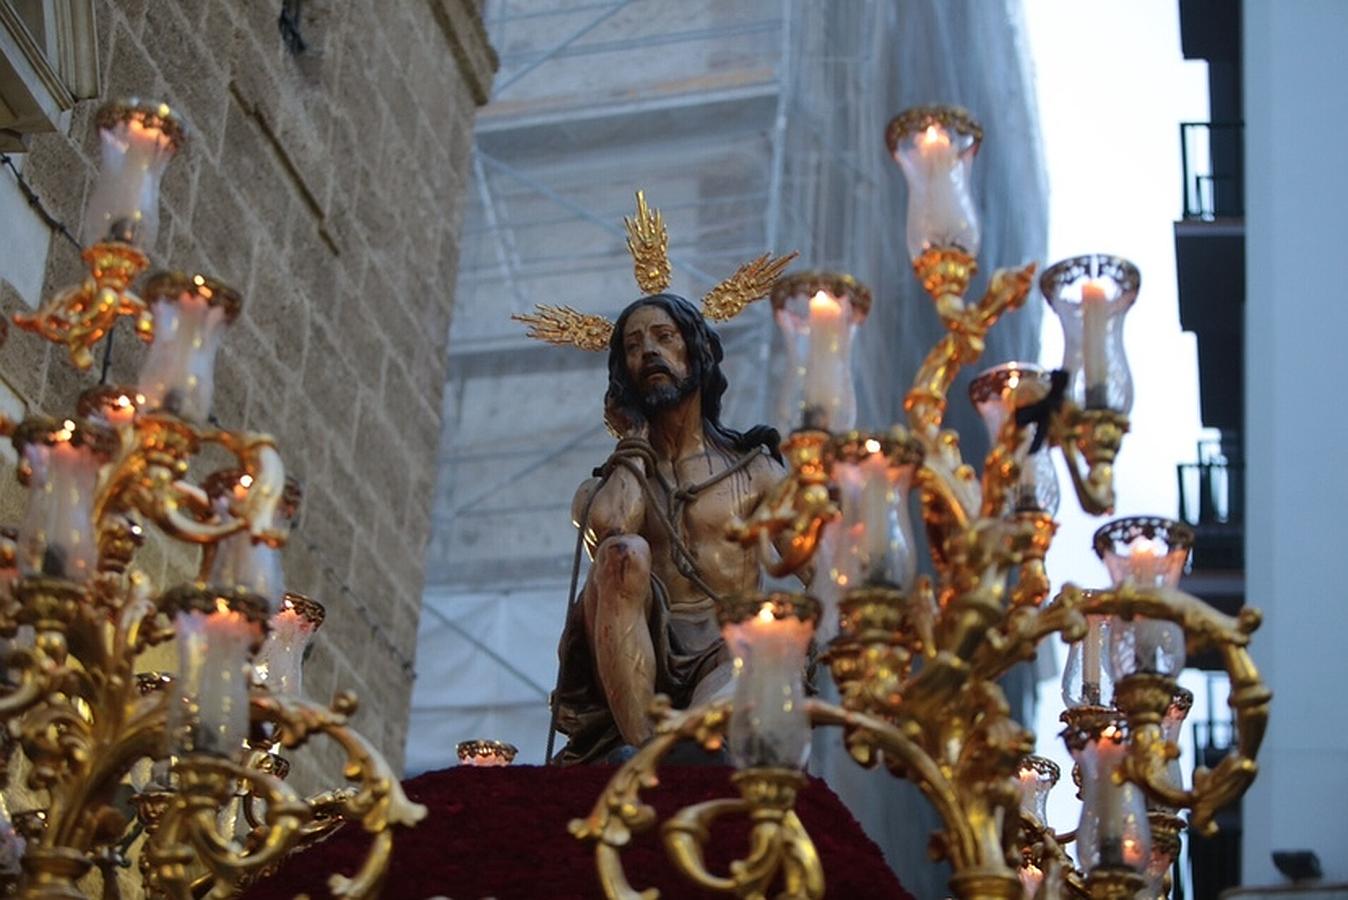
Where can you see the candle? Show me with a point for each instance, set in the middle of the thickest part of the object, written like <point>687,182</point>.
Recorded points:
<point>945,211</point>
<point>1146,563</point>
<point>1094,333</point>
<point>57,537</point>
<point>877,502</point>
<point>826,372</point>
<point>1125,838</point>
<point>770,726</point>
<point>121,409</point>
<point>1031,876</point>
<point>1029,789</point>
<point>211,689</point>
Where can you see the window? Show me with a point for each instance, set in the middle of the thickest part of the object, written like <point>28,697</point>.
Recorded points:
<point>48,60</point>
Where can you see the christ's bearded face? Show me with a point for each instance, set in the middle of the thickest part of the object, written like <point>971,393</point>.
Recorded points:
<point>657,359</point>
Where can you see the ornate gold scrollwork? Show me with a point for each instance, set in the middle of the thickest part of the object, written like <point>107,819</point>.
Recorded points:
<point>80,316</point>
<point>1143,697</point>
<point>791,517</point>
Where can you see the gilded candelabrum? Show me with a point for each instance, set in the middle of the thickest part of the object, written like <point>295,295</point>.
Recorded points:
<point>98,752</point>
<point>916,659</point>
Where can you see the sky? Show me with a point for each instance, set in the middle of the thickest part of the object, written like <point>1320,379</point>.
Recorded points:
<point>1113,87</point>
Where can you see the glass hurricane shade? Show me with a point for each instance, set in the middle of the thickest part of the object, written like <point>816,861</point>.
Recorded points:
<point>873,542</point>
<point>486,753</point>
<point>190,314</point>
<point>59,462</point>
<point>769,725</point>
<point>1091,295</point>
<point>1149,552</point>
<point>1113,831</point>
<point>241,560</point>
<point>996,393</point>
<point>1087,679</point>
<point>1037,776</point>
<point>1171,725</point>
<point>209,709</point>
<point>818,314</point>
<point>136,141</point>
<point>280,661</point>
<point>936,151</point>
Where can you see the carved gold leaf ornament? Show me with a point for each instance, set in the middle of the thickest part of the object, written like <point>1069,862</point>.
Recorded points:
<point>563,326</point>
<point>648,242</point>
<point>751,281</point>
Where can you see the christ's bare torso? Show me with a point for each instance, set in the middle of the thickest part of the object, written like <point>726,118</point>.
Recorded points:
<point>724,566</point>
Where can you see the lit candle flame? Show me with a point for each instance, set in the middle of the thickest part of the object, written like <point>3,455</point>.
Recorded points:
<point>822,303</point>
<point>934,136</point>
<point>872,445</point>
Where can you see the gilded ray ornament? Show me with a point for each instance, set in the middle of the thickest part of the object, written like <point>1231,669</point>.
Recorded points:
<point>648,242</point>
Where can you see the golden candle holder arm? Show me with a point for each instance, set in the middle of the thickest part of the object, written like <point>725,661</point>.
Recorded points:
<point>970,787</point>
<point>1002,467</point>
<point>963,344</point>
<point>1016,639</point>
<point>1090,440</point>
<point>777,839</point>
<point>148,477</point>
<point>789,521</point>
<point>1143,697</point>
<point>189,832</point>
<point>972,838</point>
<point>619,813</point>
<point>1044,848</point>
<point>81,315</point>
<point>378,802</point>
<point>948,486</point>
<point>81,719</point>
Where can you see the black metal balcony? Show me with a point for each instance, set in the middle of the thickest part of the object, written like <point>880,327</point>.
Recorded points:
<point>1212,500</point>
<point>1213,158</point>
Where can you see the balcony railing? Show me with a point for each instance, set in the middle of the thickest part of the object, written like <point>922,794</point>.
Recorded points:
<point>1212,500</point>
<point>1213,158</point>
<point>1212,493</point>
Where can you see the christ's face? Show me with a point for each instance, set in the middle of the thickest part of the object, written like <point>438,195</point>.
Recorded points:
<point>656,356</point>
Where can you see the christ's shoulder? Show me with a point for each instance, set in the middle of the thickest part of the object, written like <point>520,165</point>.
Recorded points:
<point>765,471</point>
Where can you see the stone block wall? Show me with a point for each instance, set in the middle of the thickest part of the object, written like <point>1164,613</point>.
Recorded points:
<point>327,185</point>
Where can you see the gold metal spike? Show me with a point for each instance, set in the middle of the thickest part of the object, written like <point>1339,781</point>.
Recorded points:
<point>751,281</point>
<point>648,242</point>
<point>568,327</point>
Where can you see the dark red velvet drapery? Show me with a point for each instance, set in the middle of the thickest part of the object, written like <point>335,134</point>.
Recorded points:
<point>501,833</point>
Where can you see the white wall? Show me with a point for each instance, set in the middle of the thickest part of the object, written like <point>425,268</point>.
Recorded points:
<point>1296,126</point>
<point>23,260</point>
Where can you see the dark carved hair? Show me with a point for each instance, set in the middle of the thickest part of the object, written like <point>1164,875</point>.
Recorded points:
<point>704,363</point>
